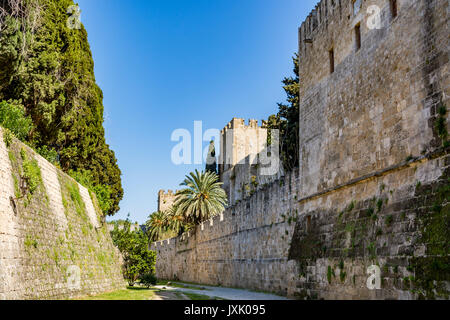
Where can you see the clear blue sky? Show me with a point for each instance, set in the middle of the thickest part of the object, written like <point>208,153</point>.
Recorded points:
<point>162,64</point>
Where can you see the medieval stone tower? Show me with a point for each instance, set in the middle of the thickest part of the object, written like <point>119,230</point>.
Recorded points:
<point>238,162</point>
<point>165,200</point>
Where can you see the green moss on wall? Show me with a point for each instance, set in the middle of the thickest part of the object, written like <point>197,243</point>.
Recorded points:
<point>52,243</point>
<point>387,233</point>
<point>433,270</point>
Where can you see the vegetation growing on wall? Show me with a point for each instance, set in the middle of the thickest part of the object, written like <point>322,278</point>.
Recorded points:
<point>433,270</point>
<point>366,232</point>
<point>31,172</point>
<point>50,245</point>
<point>81,244</point>
<point>102,192</point>
<point>47,80</point>
<point>26,174</point>
<point>441,124</point>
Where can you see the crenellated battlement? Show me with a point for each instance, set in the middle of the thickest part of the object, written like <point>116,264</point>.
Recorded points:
<point>168,193</point>
<point>320,16</point>
<point>239,123</point>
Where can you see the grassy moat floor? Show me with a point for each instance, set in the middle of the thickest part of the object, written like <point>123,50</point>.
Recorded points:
<point>160,292</point>
<point>130,293</point>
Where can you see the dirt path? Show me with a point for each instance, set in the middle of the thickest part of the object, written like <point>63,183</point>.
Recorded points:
<point>220,292</point>
<point>169,295</point>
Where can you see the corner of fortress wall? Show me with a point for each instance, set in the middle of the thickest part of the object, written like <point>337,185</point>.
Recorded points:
<point>373,177</point>
<point>44,239</point>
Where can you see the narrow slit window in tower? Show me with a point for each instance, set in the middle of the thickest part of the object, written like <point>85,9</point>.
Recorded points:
<point>331,54</point>
<point>394,8</point>
<point>358,36</point>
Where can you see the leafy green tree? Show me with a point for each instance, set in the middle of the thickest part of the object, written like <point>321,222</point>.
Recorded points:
<point>47,68</point>
<point>13,118</point>
<point>202,199</point>
<point>139,260</point>
<point>287,120</point>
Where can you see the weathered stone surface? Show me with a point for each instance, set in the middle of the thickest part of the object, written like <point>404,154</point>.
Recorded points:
<point>379,106</point>
<point>51,232</point>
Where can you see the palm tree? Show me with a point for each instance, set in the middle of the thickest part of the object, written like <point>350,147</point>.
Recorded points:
<point>202,199</point>
<point>157,225</point>
<point>177,222</point>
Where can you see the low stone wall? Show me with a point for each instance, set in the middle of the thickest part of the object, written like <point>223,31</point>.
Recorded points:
<point>50,236</point>
<point>321,247</point>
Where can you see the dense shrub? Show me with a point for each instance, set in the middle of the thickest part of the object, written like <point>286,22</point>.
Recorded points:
<point>148,280</point>
<point>50,154</point>
<point>12,117</point>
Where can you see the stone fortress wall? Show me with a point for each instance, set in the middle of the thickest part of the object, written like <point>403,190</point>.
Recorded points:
<point>53,244</point>
<point>373,184</point>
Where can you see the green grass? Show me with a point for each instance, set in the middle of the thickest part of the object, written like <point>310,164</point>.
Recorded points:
<point>131,293</point>
<point>139,293</point>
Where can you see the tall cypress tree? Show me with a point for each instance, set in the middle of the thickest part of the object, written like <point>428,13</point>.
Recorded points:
<point>47,67</point>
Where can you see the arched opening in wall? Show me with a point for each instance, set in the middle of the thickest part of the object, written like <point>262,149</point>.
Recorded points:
<point>394,8</point>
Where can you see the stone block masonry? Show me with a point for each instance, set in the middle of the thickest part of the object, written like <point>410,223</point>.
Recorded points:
<point>321,248</point>
<point>373,185</point>
<point>380,104</point>
<point>49,234</point>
